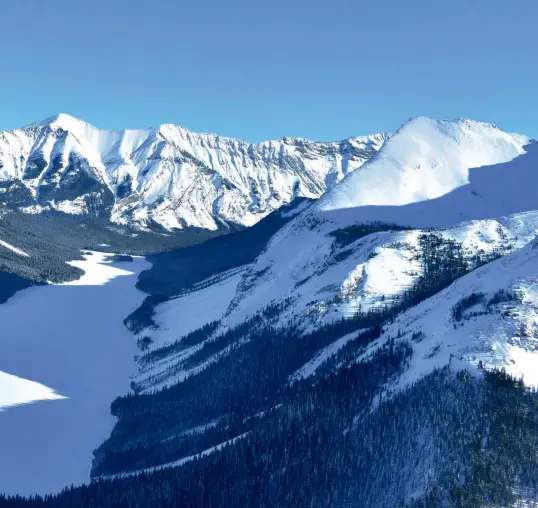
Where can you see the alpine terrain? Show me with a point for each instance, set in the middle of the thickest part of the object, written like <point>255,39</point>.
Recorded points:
<point>166,178</point>
<point>283,324</point>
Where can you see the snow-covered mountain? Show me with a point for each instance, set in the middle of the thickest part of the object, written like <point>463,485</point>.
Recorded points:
<point>321,344</point>
<point>356,274</point>
<point>429,173</point>
<point>443,188</point>
<point>167,177</point>
<point>339,257</point>
<point>442,172</point>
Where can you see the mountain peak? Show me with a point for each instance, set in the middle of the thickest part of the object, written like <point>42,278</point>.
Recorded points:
<point>426,123</point>
<point>67,123</point>
<point>61,120</point>
<point>424,160</point>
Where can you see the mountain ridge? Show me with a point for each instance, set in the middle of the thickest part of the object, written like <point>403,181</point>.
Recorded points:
<point>168,177</point>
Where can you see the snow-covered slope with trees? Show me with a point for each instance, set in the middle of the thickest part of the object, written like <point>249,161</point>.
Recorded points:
<point>339,257</point>
<point>348,276</point>
<point>167,177</point>
<point>335,339</point>
<point>457,192</point>
<point>487,318</point>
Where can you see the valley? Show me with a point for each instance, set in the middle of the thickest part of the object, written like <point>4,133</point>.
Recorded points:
<point>268,255</point>
<point>322,340</point>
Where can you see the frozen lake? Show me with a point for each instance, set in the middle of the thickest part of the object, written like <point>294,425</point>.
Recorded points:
<point>64,355</point>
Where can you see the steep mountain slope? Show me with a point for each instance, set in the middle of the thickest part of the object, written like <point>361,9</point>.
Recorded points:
<point>351,403</point>
<point>320,259</point>
<point>370,272</point>
<point>178,272</point>
<point>307,244</point>
<point>167,177</point>
<point>487,317</point>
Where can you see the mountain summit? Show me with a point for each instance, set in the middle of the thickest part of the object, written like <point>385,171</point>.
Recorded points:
<point>427,160</point>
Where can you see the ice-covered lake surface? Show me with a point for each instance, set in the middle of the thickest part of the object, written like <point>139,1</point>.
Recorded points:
<point>64,356</point>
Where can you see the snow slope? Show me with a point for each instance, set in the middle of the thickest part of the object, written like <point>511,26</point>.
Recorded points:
<point>441,190</point>
<point>328,282</point>
<point>324,284</point>
<point>182,315</point>
<point>429,159</point>
<point>166,176</point>
<point>71,338</point>
<point>499,330</point>
<point>488,210</point>
<point>302,258</point>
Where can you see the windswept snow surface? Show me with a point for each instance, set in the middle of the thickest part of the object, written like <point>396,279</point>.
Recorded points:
<point>70,338</point>
<point>455,170</point>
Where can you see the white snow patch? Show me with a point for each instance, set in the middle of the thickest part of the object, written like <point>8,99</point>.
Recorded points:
<point>14,249</point>
<point>97,271</point>
<point>309,369</point>
<point>75,206</point>
<point>15,391</point>
<point>522,363</point>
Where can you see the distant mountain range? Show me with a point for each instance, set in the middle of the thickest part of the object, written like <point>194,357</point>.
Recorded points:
<point>166,178</point>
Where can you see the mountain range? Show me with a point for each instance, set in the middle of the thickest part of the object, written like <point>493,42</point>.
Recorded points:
<point>167,178</point>
<point>364,334</point>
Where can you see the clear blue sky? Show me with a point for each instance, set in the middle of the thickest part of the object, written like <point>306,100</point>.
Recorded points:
<point>258,70</point>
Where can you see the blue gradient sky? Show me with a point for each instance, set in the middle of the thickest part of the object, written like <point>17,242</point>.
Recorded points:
<point>258,70</point>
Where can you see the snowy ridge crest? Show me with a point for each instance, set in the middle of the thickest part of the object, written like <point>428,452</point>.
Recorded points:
<point>426,159</point>
<point>168,177</point>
